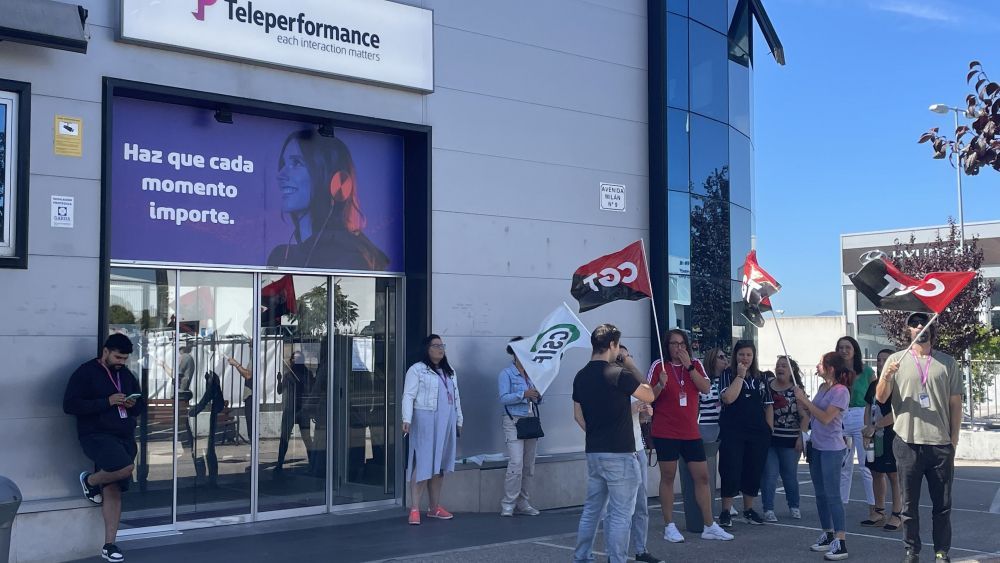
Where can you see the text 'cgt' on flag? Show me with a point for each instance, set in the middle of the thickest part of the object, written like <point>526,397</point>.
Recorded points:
<point>757,289</point>
<point>620,275</point>
<point>889,288</point>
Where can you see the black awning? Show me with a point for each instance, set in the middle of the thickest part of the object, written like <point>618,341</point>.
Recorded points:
<point>44,22</point>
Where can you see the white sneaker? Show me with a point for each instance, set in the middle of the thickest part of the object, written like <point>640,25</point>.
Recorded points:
<point>671,534</point>
<point>507,511</point>
<point>769,516</point>
<point>715,532</point>
<point>796,513</point>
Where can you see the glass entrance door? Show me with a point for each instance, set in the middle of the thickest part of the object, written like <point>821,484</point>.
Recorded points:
<point>266,392</point>
<point>364,370</point>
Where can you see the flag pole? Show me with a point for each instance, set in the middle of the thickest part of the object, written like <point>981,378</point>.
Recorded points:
<point>782,340</point>
<point>652,300</point>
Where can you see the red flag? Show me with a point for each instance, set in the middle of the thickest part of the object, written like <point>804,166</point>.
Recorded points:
<point>758,287</point>
<point>277,299</point>
<point>621,275</point>
<point>889,288</point>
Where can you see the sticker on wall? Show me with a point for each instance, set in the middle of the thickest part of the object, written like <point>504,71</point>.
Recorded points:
<point>612,197</point>
<point>62,211</point>
<point>68,136</point>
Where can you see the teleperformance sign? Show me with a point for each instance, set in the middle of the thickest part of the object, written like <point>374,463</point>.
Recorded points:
<point>369,40</point>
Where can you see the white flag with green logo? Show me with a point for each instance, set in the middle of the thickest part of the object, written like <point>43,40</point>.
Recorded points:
<point>541,353</point>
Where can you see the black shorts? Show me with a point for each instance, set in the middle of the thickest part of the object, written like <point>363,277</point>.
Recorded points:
<point>110,453</point>
<point>669,449</point>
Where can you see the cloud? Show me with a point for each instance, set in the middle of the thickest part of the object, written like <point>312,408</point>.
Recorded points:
<point>934,13</point>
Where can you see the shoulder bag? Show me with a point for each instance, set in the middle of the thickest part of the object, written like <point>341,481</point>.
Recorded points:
<point>528,427</point>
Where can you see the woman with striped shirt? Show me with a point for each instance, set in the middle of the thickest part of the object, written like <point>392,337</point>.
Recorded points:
<point>709,406</point>
<point>786,439</point>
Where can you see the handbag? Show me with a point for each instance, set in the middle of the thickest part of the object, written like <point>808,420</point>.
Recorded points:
<point>528,427</point>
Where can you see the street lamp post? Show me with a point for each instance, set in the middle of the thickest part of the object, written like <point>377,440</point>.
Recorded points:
<point>943,108</point>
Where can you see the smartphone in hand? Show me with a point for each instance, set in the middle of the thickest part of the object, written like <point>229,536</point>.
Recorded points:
<point>133,397</point>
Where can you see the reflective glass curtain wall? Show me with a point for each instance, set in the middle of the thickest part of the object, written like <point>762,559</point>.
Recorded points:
<point>701,164</point>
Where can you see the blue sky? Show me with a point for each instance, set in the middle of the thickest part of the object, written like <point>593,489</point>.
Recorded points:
<point>836,130</point>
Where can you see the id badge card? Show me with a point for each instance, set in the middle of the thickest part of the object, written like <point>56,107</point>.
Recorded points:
<point>925,400</point>
<point>683,399</point>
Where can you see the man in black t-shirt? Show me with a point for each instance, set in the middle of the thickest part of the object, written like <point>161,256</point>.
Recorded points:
<point>602,408</point>
<point>106,399</point>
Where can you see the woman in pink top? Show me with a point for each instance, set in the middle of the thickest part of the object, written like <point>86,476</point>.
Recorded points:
<point>828,450</point>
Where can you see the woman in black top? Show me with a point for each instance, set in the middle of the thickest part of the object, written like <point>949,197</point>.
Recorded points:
<point>746,422</point>
<point>878,432</point>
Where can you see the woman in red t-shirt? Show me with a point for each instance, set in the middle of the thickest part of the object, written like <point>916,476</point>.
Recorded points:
<point>675,432</point>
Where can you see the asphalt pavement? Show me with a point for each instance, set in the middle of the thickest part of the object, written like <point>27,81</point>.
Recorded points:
<point>384,535</point>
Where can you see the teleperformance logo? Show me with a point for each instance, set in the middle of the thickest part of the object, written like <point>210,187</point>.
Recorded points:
<point>297,23</point>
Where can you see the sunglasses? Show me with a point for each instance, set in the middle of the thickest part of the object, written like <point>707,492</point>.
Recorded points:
<point>438,346</point>
<point>916,322</point>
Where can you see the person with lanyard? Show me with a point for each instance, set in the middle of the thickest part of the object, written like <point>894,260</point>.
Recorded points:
<point>878,431</point>
<point>432,418</point>
<point>520,398</point>
<point>675,432</point>
<point>828,450</point>
<point>924,386</point>
<point>106,399</point>
<point>854,423</point>
<point>790,422</point>
<point>746,422</point>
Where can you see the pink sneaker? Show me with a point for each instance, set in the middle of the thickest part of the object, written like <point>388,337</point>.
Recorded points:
<point>440,513</point>
<point>415,517</point>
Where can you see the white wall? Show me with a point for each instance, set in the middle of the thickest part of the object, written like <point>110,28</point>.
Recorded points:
<point>807,339</point>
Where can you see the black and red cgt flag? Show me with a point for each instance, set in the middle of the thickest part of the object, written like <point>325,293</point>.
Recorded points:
<point>888,288</point>
<point>621,275</point>
<point>758,287</point>
<point>277,299</point>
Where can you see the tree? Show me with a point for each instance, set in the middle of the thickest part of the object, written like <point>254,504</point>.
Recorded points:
<point>983,147</point>
<point>711,286</point>
<point>985,357</point>
<point>959,327</point>
<point>312,310</point>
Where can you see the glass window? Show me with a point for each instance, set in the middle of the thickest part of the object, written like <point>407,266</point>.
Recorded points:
<point>679,313</point>
<point>711,13</point>
<point>865,304</point>
<point>12,250</point>
<point>678,233</point>
<point>739,33</point>
<point>740,96</point>
<point>871,337</point>
<point>709,237</point>
<point>743,329</point>
<point>678,152</point>
<point>677,61</point>
<point>709,157</point>
<point>740,233</point>
<point>740,157</point>
<point>141,306</point>
<point>678,6</point>
<point>709,72</point>
<point>995,296</point>
<point>710,312</point>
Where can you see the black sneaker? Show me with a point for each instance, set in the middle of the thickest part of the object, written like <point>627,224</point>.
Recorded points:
<point>941,556</point>
<point>750,516</point>
<point>837,551</point>
<point>111,552</point>
<point>725,519</point>
<point>647,558</point>
<point>911,556</point>
<point>92,493</point>
<point>823,543</point>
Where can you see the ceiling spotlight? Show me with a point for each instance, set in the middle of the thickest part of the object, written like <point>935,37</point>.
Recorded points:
<point>224,115</point>
<point>326,129</point>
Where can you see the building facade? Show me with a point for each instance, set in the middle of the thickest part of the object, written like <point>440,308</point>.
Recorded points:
<point>281,200</point>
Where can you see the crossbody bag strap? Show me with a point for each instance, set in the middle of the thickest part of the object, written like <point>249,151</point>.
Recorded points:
<point>508,412</point>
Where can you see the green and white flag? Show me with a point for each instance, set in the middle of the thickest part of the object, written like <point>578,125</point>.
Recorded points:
<point>542,353</point>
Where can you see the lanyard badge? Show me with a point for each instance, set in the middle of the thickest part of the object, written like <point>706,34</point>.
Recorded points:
<point>122,413</point>
<point>924,397</point>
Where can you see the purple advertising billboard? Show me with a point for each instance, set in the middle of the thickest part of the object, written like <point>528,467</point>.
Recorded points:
<point>258,192</point>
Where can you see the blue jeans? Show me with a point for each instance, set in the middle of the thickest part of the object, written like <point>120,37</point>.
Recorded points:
<point>786,462</point>
<point>640,518</point>
<point>612,480</point>
<point>824,468</point>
